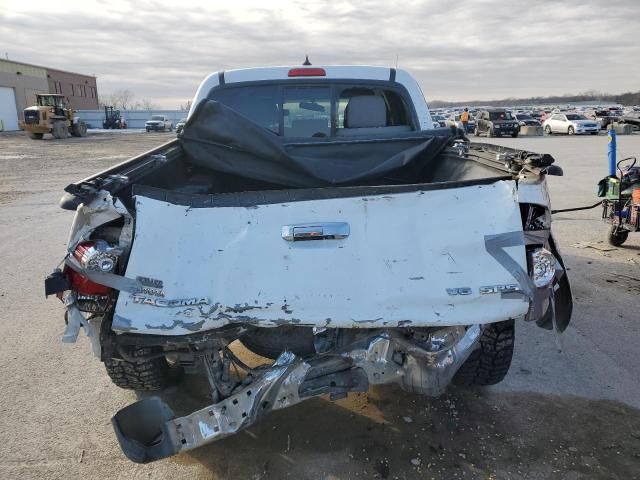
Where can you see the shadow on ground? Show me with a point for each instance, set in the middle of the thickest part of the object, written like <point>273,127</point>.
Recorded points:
<point>388,433</point>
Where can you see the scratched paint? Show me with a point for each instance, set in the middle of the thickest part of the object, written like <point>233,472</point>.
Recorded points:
<point>393,269</point>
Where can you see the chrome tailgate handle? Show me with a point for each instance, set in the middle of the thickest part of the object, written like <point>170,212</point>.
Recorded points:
<point>315,231</point>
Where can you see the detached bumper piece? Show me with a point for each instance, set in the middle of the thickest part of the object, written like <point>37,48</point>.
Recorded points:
<point>148,430</point>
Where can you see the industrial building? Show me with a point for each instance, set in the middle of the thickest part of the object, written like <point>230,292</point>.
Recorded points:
<point>20,82</point>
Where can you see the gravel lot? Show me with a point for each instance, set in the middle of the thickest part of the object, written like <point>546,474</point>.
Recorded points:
<point>567,410</point>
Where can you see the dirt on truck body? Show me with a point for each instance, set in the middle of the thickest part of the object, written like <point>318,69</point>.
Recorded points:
<point>321,221</point>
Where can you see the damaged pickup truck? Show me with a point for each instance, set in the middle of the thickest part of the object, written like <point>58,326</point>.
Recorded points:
<point>316,216</point>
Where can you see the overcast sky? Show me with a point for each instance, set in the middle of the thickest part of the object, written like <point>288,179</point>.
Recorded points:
<point>479,49</point>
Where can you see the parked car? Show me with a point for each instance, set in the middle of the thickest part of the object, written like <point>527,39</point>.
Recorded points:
<point>616,111</point>
<point>525,119</point>
<point>496,123</point>
<point>439,121</point>
<point>180,125</point>
<point>570,123</point>
<point>454,121</point>
<point>158,123</point>
<point>603,117</point>
<point>537,115</point>
<point>178,252</point>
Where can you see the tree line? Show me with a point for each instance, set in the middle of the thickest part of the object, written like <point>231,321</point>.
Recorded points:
<point>628,98</point>
<point>126,100</point>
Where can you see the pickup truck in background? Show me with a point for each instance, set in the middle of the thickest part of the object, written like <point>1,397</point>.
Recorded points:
<point>315,215</point>
<point>159,123</point>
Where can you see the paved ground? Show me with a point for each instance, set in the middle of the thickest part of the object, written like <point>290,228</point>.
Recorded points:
<point>567,410</point>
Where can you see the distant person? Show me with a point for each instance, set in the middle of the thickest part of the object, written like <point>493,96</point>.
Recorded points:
<point>464,118</point>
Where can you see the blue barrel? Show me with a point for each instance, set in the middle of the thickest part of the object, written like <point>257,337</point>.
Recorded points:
<point>611,138</point>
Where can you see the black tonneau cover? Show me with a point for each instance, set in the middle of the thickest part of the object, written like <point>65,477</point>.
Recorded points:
<point>218,138</point>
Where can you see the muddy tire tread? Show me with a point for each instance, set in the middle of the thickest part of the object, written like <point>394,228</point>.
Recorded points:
<point>490,362</point>
<point>143,375</point>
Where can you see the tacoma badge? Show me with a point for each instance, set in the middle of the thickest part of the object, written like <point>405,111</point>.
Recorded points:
<point>162,302</point>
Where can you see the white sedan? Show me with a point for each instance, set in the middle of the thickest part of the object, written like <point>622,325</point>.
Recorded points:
<point>571,124</point>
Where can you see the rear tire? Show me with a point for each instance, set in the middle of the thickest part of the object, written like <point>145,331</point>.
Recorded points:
<point>142,375</point>
<point>547,130</point>
<point>36,136</point>
<point>571,131</point>
<point>514,134</point>
<point>490,361</point>
<point>80,129</point>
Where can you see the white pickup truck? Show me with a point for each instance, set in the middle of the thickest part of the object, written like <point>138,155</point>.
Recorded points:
<point>160,123</point>
<point>315,215</point>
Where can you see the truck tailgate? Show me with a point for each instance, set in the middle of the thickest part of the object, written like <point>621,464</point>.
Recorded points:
<point>405,259</point>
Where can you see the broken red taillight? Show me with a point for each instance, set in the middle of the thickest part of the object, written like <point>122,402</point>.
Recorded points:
<point>82,285</point>
<point>96,256</point>
<point>88,296</point>
<point>307,72</point>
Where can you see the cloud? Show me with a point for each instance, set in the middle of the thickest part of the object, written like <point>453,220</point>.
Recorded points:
<point>481,49</point>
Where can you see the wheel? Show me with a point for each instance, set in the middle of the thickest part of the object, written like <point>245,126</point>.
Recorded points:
<point>148,130</point>
<point>570,130</point>
<point>171,128</point>
<point>80,129</point>
<point>616,236</point>
<point>59,129</point>
<point>514,134</point>
<point>476,132</point>
<point>36,136</point>
<point>490,361</point>
<point>142,375</point>
<point>547,130</point>
<point>594,133</point>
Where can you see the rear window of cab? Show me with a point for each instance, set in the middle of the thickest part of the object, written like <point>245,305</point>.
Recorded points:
<point>304,110</point>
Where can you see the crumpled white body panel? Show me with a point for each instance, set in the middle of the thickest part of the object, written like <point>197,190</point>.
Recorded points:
<point>404,252</point>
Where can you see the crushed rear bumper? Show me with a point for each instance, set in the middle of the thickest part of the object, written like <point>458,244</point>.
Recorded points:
<point>148,429</point>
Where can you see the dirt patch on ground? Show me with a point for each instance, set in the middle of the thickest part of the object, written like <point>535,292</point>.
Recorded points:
<point>388,433</point>
<point>33,166</point>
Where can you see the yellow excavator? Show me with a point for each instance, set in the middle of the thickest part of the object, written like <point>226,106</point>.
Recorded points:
<point>51,115</point>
